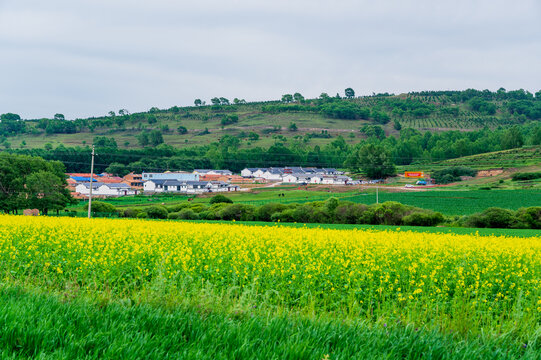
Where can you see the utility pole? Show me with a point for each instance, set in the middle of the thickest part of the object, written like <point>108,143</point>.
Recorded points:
<point>91,184</point>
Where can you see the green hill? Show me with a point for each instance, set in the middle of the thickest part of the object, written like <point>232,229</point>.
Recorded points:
<point>316,121</point>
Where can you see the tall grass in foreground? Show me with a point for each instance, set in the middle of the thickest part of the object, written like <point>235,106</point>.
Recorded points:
<point>39,326</point>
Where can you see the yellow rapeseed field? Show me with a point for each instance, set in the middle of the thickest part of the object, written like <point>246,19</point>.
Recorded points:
<point>351,270</point>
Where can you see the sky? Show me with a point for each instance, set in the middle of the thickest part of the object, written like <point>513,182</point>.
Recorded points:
<point>87,57</point>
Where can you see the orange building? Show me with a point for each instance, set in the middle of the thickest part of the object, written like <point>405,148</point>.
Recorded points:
<point>233,179</point>
<point>134,180</point>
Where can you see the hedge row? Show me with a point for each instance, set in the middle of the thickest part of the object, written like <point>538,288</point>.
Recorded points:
<point>331,211</point>
<point>523,218</point>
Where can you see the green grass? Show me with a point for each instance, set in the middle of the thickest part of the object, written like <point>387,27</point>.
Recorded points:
<point>429,229</point>
<point>35,325</point>
<point>459,202</point>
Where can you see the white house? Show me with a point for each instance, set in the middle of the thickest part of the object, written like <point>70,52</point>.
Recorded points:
<point>169,175</point>
<point>258,173</point>
<point>212,172</point>
<point>103,189</point>
<point>273,174</point>
<point>336,180</point>
<point>153,186</point>
<point>316,179</point>
<point>252,172</point>
<point>289,178</point>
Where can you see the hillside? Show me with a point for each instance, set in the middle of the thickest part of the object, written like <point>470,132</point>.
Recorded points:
<point>316,121</point>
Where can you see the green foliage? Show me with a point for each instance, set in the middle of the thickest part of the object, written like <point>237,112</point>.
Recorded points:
<point>182,130</point>
<point>344,110</point>
<point>229,119</point>
<point>156,212</point>
<point>153,138</point>
<point>492,218</point>
<point>452,174</point>
<point>118,169</point>
<point>105,142</point>
<point>253,136</point>
<point>32,182</point>
<point>287,98</point>
<point>373,131</point>
<point>530,217</point>
<point>373,160</point>
<point>521,176</point>
<point>292,127</point>
<point>220,199</point>
<point>102,207</point>
<point>512,138</point>
<point>350,93</point>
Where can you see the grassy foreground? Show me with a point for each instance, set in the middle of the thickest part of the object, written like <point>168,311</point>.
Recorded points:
<point>34,325</point>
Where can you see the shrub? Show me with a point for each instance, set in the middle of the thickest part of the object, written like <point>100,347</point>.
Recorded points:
<point>390,213</point>
<point>156,212</point>
<point>264,212</point>
<point>198,207</point>
<point>349,213</point>
<point>130,212</point>
<point>177,207</point>
<point>142,215</point>
<point>530,217</point>
<point>288,215</point>
<point>187,214</point>
<point>492,218</point>
<point>423,219</point>
<point>526,176</point>
<point>238,212</point>
<point>452,174</point>
<point>220,199</point>
<point>102,207</point>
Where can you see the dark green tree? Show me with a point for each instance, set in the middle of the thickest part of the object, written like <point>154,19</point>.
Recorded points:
<point>182,130</point>
<point>143,139</point>
<point>512,138</point>
<point>46,191</point>
<point>374,161</point>
<point>155,137</point>
<point>298,97</point>
<point>287,98</point>
<point>350,93</point>
<point>27,181</point>
<point>118,169</point>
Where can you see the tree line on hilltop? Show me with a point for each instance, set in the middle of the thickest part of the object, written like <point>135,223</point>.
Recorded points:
<point>375,156</point>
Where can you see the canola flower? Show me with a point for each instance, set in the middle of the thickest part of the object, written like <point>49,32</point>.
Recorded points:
<point>356,270</point>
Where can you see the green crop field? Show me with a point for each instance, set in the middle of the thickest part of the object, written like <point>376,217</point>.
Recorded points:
<point>458,202</point>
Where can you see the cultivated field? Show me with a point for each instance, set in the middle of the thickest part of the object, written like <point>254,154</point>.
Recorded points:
<point>173,289</point>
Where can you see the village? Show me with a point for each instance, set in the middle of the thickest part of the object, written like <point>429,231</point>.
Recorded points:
<point>198,181</point>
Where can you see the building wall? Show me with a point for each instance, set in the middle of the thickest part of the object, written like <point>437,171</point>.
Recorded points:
<point>171,176</point>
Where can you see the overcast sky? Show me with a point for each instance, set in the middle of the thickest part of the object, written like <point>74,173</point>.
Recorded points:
<point>87,57</point>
